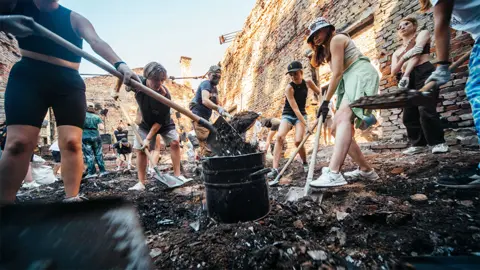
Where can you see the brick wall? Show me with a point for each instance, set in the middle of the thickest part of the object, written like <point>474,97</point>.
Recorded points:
<point>273,36</point>
<point>9,54</point>
<point>99,88</point>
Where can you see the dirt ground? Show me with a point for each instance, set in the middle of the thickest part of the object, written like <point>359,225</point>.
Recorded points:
<point>363,225</point>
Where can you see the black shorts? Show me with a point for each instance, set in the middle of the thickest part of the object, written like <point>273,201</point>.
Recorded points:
<point>56,156</point>
<point>34,86</point>
<point>420,74</point>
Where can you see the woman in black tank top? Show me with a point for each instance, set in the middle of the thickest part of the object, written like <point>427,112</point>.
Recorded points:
<point>47,76</point>
<point>293,114</point>
<point>423,123</point>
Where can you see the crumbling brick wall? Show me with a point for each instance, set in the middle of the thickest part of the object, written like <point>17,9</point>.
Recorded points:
<point>99,91</point>
<point>9,55</point>
<point>274,35</point>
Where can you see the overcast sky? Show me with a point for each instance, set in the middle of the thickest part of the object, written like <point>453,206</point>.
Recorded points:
<point>158,30</point>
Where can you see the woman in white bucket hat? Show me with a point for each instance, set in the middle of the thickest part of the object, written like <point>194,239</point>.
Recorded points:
<point>353,76</point>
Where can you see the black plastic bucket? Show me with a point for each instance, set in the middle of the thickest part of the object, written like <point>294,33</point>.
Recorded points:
<point>236,188</point>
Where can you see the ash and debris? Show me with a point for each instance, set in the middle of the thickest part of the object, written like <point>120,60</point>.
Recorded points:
<point>243,121</point>
<point>365,225</point>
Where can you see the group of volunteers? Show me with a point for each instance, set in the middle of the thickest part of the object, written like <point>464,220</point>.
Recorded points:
<point>47,76</point>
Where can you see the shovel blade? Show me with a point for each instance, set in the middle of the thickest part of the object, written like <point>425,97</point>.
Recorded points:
<point>169,180</point>
<point>104,234</point>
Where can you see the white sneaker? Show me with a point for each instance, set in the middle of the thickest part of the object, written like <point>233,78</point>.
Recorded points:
<point>359,174</point>
<point>90,176</point>
<point>30,185</point>
<point>138,187</point>
<point>328,179</point>
<point>78,198</point>
<point>184,179</point>
<point>440,148</point>
<point>414,150</point>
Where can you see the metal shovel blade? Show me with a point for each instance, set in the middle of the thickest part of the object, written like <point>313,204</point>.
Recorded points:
<point>226,141</point>
<point>397,99</point>
<point>169,180</point>
<point>98,234</point>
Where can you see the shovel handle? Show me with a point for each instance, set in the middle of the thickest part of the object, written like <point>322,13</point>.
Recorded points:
<point>452,67</point>
<point>42,31</point>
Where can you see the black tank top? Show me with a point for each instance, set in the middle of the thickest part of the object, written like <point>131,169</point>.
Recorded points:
<point>300,92</point>
<point>57,21</point>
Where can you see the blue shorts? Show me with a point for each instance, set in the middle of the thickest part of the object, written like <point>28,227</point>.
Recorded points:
<point>293,120</point>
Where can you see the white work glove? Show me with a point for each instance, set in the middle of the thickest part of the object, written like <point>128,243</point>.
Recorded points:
<point>17,25</point>
<point>441,75</point>
<point>145,144</point>
<point>128,74</point>
<point>223,112</point>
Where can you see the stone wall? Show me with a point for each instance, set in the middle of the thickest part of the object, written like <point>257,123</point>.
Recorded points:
<point>274,35</point>
<point>9,55</point>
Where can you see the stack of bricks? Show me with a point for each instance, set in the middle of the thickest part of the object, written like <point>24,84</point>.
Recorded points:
<point>274,35</point>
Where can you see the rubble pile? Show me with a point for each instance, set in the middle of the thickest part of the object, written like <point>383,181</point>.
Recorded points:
<point>364,224</point>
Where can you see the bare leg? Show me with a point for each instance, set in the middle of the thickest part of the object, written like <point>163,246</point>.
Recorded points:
<point>175,155</point>
<point>29,176</point>
<point>19,146</point>
<point>141,166</point>
<point>356,154</point>
<point>70,143</point>
<point>284,128</point>
<point>343,136</point>
<point>299,134</point>
<point>270,135</point>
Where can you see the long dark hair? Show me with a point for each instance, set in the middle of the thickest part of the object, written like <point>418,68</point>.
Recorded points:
<point>321,54</point>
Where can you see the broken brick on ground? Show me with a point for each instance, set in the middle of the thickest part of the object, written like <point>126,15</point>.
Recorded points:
<point>369,224</point>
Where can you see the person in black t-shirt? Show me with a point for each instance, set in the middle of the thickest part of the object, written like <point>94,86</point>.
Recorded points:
<point>155,120</point>
<point>124,153</point>
<point>120,133</point>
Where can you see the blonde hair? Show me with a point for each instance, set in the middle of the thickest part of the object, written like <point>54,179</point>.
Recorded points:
<point>410,19</point>
<point>425,5</point>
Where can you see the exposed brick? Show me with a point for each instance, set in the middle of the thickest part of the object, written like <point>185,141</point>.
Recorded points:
<point>449,95</point>
<point>452,107</point>
<point>466,123</point>
<point>460,81</point>
<point>453,118</point>
<point>466,116</point>
<point>448,102</point>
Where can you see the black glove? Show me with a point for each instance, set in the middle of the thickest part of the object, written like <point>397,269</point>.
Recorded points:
<point>323,111</point>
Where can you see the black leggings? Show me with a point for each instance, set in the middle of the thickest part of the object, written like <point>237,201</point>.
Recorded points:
<point>423,123</point>
<point>34,86</point>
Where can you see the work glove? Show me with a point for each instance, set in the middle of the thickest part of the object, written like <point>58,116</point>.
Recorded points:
<point>323,111</point>
<point>17,25</point>
<point>145,144</point>
<point>441,75</point>
<point>412,52</point>
<point>223,112</point>
<point>128,74</point>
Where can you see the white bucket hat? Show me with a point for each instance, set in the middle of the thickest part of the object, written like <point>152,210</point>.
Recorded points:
<point>316,25</point>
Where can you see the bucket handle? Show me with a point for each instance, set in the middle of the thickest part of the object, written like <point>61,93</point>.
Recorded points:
<point>260,172</point>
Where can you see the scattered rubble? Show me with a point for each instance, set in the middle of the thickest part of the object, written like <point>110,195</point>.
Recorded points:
<point>370,225</point>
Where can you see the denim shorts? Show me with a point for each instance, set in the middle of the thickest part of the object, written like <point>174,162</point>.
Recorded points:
<point>293,120</point>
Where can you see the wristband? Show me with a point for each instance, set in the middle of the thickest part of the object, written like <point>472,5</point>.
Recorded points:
<point>444,63</point>
<point>117,64</point>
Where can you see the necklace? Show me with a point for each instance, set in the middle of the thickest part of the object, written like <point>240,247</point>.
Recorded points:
<point>408,44</point>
